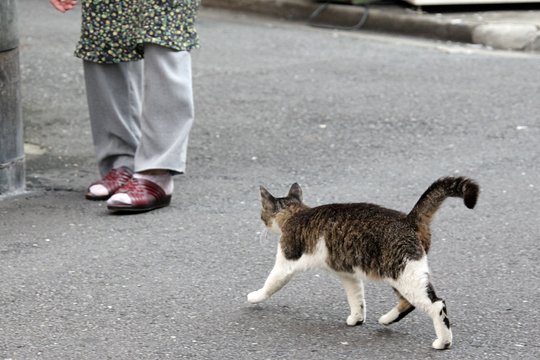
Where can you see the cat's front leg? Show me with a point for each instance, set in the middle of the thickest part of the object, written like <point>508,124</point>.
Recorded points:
<point>354,288</point>
<point>279,276</point>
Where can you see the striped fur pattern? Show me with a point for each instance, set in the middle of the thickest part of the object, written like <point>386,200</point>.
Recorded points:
<point>359,241</point>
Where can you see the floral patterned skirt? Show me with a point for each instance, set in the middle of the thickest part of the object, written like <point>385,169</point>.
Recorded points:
<point>115,31</point>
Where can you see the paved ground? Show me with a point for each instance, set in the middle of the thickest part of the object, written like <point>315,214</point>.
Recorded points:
<point>351,117</point>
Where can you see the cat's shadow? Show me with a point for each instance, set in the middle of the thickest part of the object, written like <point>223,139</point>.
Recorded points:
<point>285,316</point>
<point>283,322</point>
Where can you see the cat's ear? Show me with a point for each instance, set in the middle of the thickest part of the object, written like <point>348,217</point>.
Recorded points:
<point>296,192</point>
<point>267,199</point>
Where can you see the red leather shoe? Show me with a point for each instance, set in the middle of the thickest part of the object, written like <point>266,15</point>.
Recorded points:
<point>145,196</point>
<point>113,181</point>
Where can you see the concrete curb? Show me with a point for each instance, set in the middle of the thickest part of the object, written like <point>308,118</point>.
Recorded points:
<point>522,37</point>
<point>501,33</point>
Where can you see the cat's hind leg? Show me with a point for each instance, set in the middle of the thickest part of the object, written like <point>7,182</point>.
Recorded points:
<point>354,288</point>
<point>402,309</point>
<point>414,285</point>
<point>279,276</point>
<point>439,314</point>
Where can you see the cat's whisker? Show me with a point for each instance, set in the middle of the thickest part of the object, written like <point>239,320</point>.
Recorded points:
<point>263,236</point>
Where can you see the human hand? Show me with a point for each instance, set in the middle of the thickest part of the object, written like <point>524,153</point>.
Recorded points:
<point>63,5</point>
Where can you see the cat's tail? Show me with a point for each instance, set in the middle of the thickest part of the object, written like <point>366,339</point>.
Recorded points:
<point>433,197</point>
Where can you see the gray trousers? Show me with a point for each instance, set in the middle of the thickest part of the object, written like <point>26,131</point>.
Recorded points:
<point>141,112</point>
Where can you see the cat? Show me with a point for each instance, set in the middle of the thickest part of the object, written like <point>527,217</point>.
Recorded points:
<point>361,241</point>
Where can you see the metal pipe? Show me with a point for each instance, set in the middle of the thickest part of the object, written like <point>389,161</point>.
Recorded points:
<point>12,170</point>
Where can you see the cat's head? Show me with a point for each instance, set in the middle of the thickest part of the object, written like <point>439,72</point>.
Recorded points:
<point>275,209</point>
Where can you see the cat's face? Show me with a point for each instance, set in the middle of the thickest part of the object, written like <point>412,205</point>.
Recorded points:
<point>272,206</point>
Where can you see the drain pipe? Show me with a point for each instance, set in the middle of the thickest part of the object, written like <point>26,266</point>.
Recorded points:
<point>12,173</point>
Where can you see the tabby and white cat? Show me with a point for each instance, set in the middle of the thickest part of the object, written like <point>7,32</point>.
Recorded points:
<point>359,241</point>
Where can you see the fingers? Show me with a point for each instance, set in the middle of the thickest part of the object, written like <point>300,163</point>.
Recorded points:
<point>57,5</point>
<point>70,4</point>
<point>63,5</point>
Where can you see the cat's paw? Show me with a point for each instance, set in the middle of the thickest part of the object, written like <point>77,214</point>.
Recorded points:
<point>354,320</point>
<point>389,317</point>
<point>257,297</point>
<point>441,344</point>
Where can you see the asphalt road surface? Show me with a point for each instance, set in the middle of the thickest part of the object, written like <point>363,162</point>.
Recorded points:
<point>351,117</point>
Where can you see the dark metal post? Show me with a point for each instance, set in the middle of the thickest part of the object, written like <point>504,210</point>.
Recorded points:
<point>11,128</point>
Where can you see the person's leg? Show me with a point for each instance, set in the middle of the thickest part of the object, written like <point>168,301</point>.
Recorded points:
<point>167,114</point>
<point>166,120</point>
<point>114,95</point>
